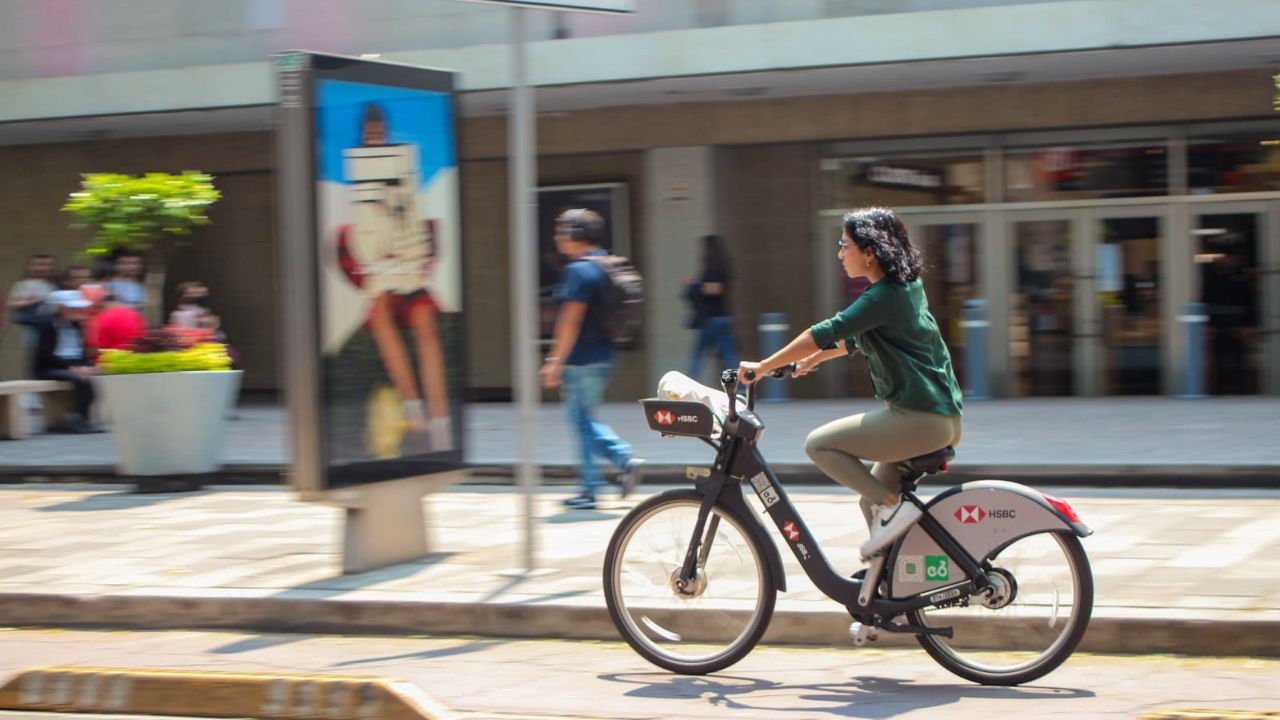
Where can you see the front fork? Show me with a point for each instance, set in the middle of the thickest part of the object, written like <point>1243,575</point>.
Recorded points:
<point>703,535</point>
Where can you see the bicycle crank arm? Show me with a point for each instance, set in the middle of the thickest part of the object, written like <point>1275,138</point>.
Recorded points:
<point>914,629</point>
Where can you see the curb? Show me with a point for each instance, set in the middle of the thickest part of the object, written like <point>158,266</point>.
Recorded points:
<point>190,693</point>
<point>555,474</point>
<point>1207,715</point>
<point>1208,633</point>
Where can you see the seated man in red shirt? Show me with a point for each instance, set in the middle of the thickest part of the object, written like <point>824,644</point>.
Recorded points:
<point>115,326</point>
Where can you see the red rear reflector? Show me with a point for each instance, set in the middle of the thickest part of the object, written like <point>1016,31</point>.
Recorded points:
<point>1062,506</point>
<point>944,467</point>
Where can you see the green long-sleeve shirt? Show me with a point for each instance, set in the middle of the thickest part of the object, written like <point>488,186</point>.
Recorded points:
<point>891,324</point>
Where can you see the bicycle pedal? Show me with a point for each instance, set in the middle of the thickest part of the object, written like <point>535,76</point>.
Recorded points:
<point>862,634</point>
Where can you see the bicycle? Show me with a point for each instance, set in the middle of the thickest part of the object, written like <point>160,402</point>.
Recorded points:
<point>691,575</point>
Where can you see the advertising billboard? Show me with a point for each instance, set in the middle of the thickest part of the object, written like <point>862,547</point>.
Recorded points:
<point>372,249</point>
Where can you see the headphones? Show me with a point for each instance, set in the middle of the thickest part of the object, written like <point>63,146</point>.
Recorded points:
<point>584,225</point>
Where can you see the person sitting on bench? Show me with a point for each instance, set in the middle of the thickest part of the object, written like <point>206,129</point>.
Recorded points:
<point>60,353</point>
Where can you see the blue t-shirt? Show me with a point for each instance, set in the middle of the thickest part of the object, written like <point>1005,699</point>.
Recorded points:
<point>129,292</point>
<point>583,281</point>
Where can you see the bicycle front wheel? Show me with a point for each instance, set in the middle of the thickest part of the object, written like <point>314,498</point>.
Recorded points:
<point>707,623</point>
<point>1028,625</point>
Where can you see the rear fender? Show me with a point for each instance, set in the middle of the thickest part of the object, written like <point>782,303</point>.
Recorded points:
<point>983,516</point>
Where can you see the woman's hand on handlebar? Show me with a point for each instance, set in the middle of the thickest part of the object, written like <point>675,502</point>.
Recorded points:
<point>806,366</point>
<point>749,372</point>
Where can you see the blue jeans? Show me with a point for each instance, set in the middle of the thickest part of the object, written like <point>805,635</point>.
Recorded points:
<point>716,332</point>
<point>583,388</point>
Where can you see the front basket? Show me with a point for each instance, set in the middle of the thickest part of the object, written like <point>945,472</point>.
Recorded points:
<point>678,417</point>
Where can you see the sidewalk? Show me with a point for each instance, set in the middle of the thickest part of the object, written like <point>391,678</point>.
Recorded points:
<point>1103,441</point>
<point>1175,570</point>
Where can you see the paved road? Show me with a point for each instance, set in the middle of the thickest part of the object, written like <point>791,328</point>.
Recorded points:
<point>565,679</point>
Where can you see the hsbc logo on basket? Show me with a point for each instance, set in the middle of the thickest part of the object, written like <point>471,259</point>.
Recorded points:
<point>666,417</point>
<point>970,514</point>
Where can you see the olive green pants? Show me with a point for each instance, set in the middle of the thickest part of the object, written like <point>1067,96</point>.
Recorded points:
<point>885,437</point>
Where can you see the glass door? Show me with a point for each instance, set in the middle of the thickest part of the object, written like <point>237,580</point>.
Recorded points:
<point>949,245</point>
<point>1227,242</point>
<point>1128,252</point>
<point>1042,311</point>
<point>833,292</point>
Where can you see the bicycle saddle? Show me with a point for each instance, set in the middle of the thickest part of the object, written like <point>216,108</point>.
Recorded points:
<point>913,469</point>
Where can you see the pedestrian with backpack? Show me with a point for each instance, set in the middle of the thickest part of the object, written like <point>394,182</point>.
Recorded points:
<point>598,295</point>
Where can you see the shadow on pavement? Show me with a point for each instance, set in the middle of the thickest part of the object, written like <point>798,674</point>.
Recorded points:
<point>340,584</point>
<point>116,500</point>
<point>861,697</point>
<point>577,516</point>
<point>471,646</point>
<point>257,643</point>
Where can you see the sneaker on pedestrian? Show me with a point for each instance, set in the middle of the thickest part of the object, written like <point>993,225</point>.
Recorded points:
<point>581,502</point>
<point>887,523</point>
<point>630,477</point>
<point>87,427</point>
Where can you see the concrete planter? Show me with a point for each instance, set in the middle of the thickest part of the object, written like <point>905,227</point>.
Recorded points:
<point>169,423</point>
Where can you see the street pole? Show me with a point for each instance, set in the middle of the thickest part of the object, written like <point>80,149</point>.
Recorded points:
<point>524,300</point>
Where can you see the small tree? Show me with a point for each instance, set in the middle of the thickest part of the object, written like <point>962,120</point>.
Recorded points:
<point>150,215</point>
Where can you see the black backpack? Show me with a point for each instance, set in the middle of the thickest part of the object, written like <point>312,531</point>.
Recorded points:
<point>621,308</point>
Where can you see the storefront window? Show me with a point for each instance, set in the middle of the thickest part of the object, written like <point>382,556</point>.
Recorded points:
<point>1229,288</point>
<point>1042,316</point>
<point>1084,172</point>
<point>1234,163</point>
<point>901,180</point>
<point>950,278</point>
<point>1127,283</point>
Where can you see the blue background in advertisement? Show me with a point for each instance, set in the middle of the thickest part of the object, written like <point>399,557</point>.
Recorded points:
<point>421,117</point>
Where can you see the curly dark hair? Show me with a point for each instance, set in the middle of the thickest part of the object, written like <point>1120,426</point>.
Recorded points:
<point>879,230</point>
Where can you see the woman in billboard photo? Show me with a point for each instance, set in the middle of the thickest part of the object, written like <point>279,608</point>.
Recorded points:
<point>388,251</point>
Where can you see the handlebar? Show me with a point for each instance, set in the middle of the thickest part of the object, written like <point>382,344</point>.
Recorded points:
<point>729,378</point>
<point>783,372</point>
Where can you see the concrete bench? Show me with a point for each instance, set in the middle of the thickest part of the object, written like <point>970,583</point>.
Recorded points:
<point>59,399</point>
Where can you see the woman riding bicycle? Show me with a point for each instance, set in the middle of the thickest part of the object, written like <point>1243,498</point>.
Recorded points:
<point>910,367</point>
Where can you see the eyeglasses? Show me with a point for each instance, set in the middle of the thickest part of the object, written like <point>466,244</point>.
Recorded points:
<point>844,243</point>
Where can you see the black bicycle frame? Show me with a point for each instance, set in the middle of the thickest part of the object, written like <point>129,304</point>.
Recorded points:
<point>738,459</point>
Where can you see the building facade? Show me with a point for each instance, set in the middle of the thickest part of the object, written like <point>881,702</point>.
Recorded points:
<point>1080,173</point>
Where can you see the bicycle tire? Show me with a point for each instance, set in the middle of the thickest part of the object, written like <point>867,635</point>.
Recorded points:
<point>941,650</point>
<point>629,618</point>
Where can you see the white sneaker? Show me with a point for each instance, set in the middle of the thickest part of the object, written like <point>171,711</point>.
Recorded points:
<point>887,523</point>
<point>440,433</point>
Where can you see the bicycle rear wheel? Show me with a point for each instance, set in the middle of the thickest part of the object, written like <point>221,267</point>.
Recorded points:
<point>713,621</point>
<point>1029,626</point>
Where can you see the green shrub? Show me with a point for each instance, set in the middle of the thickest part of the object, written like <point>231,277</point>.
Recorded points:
<point>204,356</point>
<point>139,212</point>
